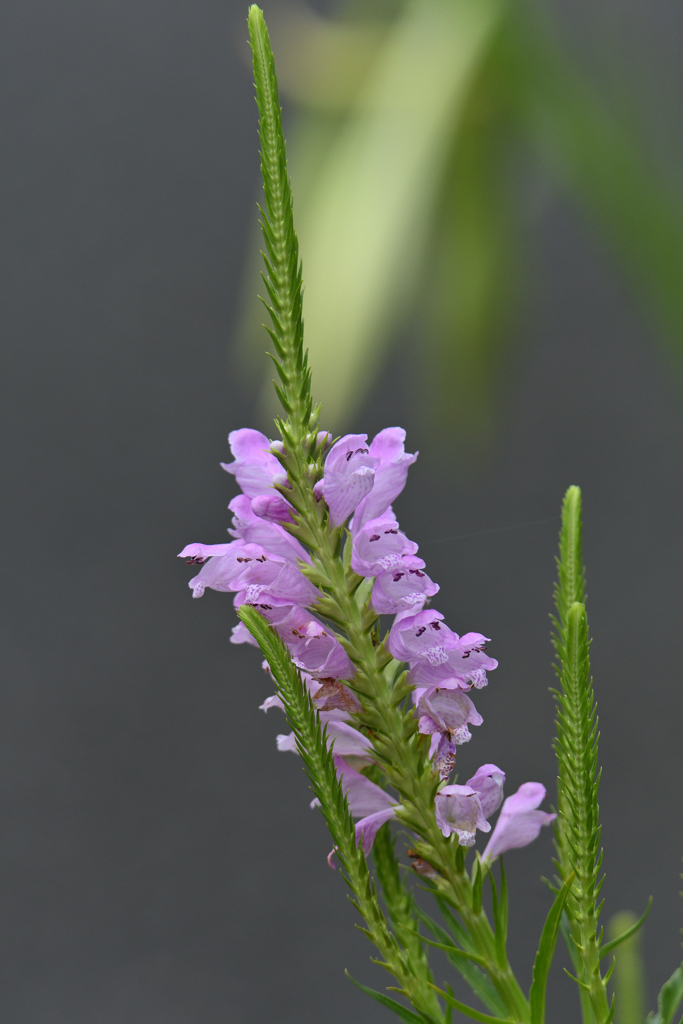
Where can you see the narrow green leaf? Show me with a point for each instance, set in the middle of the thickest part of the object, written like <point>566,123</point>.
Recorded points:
<point>401,1011</point>
<point>500,913</point>
<point>475,978</point>
<point>453,950</point>
<point>636,926</point>
<point>669,999</point>
<point>469,1011</point>
<point>544,956</point>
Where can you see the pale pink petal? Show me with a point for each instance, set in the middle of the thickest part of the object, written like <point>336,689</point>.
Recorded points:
<point>519,822</point>
<point>380,546</point>
<point>272,507</point>
<point>405,587</point>
<point>488,782</point>
<point>458,809</point>
<point>349,476</point>
<point>272,702</point>
<point>252,529</point>
<point>390,476</point>
<point>369,826</point>
<point>254,466</point>
<point>364,797</point>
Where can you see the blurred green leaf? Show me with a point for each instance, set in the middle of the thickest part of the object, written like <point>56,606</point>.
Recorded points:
<point>364,219</point>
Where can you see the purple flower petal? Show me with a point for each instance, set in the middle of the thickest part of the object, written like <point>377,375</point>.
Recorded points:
<point>272,507</point>
<point>286,743</point>
<point>448,711</point>
<point>349,742</point>
<point>369,827</point>
<point>364,797</point>
<point>379,546</point>
<point>390,475</point>
<point>349,476</point>
<point>519,822</point>
<point>421,636</point>
<point>403,588</point>
<point>488,782</point>
<point>458,809</point>
<point>461,662</point>
<point>249,527</point>
<point>313,648</point>
<point>254,466</point>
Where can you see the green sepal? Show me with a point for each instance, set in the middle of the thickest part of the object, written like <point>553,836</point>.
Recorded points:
<point>613,943</point>
<point>401,1011</point>
<point>544,956</point>
<point>469,1011</point>
<point>669,999</point>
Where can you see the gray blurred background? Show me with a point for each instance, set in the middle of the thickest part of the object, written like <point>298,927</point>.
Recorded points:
<point>159,863</point>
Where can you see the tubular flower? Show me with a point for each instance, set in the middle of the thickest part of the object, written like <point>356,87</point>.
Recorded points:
<point>519,822</point>
<point>252,571</point>
<point>254,467</point>
<point>391,473</point>
<point>349,476</point>
<point>379,546</point>
<point>406,587</point>
<point>464,809</point>
<point>253,529</point>
<point>445,715</point>
<point>438,656</point>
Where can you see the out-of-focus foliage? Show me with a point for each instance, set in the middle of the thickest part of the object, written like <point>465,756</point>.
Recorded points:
<point>411,120</point>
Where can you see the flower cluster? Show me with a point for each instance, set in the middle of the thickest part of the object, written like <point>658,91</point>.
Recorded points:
<point>265,566</point>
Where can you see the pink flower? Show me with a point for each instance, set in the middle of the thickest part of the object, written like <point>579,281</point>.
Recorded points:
<point>349,476</point>
<point>519,822</point>
<point>255,468</point>
<point>464,809</point>
<point>390,475</point>
<point>404,588</point>
<point>256,574</point>
<point>313,649</point>
<point>379,546</point>
<point>312,646</point>
<point>253,529</point>
<point>273,508</point>
<point>420,636</point>
<point>349,743</point>
<point>458,809</point>
<point>437,655</point>
<point>445,715</point>
<point>366,801</point>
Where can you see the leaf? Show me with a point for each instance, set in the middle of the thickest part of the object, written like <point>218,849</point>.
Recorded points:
<point>453,950</point>
<point>669,998</point>
<point>401,1011</point>
<point>475,978</point>
<point>484,1018</point>
<point>613,943</point>
<point>544,956</point>
<point>500,913</point>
